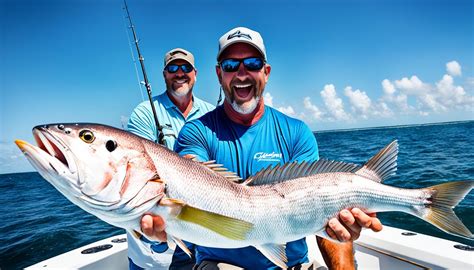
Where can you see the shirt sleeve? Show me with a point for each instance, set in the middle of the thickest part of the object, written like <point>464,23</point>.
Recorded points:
<point>305,145</point>
<point>192,140</point>
<point>141,124</point>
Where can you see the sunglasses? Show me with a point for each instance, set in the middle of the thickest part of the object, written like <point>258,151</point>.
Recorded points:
<point>186,68</point>
<point>251,64</point>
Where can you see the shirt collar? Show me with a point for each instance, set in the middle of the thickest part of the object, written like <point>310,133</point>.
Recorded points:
<point>167,103</point>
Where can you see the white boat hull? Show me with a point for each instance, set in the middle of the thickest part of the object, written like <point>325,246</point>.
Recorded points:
<point>388,249</point>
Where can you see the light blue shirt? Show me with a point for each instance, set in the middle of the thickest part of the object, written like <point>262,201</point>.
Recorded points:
<point>142,122</point>
<point>143,253</point>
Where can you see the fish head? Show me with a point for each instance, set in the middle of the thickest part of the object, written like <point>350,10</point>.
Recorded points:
<point>92,165</point>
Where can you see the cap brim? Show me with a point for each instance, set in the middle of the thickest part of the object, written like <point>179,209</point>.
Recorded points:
<point>240,41</point>
<point>179,58</point>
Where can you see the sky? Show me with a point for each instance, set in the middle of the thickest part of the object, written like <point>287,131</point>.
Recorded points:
<point>335,64</point>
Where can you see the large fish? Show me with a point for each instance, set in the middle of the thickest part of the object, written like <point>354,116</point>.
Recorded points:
<point>118,177</point>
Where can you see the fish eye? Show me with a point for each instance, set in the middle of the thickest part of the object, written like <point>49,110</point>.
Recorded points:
<point>111,145</point>
<point>87,136</point>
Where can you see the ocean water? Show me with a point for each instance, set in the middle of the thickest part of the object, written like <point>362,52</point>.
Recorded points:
<point>37,222</point>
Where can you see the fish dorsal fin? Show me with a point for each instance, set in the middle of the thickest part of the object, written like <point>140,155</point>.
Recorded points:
<point>281,173</point>
<point>382,165</point>
<point>218,168</point>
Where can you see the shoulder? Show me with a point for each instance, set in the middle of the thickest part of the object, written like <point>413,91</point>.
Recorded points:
<point>284,120</point>
<point>207,120</point>
<point>203,105</point>
<point>144,107</point>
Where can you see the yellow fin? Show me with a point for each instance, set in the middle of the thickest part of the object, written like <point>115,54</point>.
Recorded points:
<point>439,211</point>
<point>229,227</point>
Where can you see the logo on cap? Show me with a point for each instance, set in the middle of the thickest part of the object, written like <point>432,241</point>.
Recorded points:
<point>239,35</point>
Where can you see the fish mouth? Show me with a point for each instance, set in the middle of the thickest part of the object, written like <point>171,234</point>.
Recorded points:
<point>51,157</point>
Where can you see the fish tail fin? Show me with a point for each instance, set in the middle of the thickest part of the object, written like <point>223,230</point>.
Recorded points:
<point>439,206</point>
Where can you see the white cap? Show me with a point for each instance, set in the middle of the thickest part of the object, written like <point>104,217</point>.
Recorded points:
<point>242,34</point>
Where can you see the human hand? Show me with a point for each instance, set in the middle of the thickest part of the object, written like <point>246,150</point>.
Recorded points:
<point>153,227</point>
<point>350,224</point>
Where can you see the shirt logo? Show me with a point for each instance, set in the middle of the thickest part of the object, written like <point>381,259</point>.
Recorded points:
<point>262,156</point>
<point>239,34</point>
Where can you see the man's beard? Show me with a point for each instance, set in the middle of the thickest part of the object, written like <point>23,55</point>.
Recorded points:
<point>181,92</point>
<point>245,108</point>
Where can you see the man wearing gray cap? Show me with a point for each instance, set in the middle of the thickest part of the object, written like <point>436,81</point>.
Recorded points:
<point>174,107</point>
<point>246,136</point>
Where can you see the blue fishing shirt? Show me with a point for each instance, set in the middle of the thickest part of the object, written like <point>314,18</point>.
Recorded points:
<point>142,122</point>
<point>142,252</point>
<point>245,150</point>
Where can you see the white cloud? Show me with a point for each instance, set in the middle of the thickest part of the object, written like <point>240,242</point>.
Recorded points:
<point>315,112</point>
<point>268,99</point>
<point>388,87</point>
<point>288,111</point>
<point>412,86</point>
<point>359,101</point>
<point>453,68</point>
<point>333,103</point>
<point>451,95</point>
<point>382,110</point>
<point>406,96</point>
<point>470,83</point>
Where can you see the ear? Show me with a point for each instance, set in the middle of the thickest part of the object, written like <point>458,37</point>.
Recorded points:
<point>266,70</point>
<point>195,75</point>
<point>219,73</point>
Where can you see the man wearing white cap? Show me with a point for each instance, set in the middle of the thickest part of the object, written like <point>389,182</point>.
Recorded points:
<point>173,107</point>
<point>246,136</point>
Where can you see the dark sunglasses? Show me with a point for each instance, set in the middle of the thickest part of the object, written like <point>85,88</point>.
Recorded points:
<point>251,64</point>
<point>186,68</point>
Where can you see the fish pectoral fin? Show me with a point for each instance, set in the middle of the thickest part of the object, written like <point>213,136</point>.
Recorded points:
<point>229,227</point>
<point>137,234</point>
<point>171,242</point>
<point>182,246</point>
<point>275,253</point>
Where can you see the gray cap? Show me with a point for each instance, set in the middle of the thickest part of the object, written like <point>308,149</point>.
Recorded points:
<point>242,34</point>
<point>179,53</point>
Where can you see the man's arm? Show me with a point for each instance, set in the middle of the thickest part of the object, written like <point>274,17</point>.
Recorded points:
<point>336,255</point>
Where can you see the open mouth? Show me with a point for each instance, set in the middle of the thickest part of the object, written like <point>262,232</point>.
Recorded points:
<point>243,91</point>
<point>50,152</point>
<point>46,143</point>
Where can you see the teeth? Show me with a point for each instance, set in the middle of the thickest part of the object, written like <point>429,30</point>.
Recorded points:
<point>180,81</point>
<point>242,85</point>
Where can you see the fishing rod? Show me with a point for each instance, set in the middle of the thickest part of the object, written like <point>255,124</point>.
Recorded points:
<point>159,128</point>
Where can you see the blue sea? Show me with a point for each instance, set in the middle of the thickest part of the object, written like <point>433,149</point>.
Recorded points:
<point>37,222</point>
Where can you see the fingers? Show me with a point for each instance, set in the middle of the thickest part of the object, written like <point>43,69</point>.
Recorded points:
<point>338,231</point>
<point>153,227</point>
<point>367,220</point>
<point>350,223</point>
